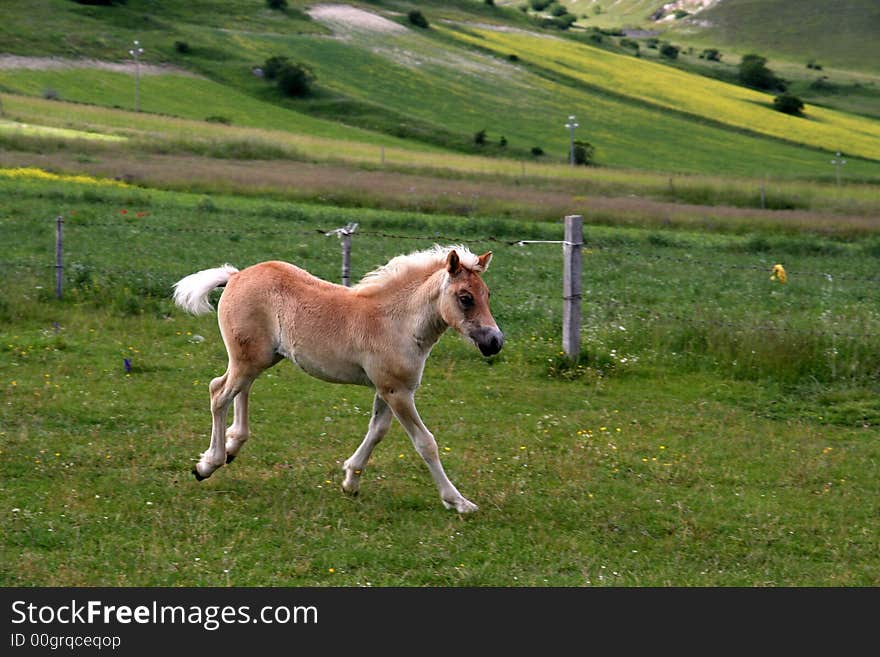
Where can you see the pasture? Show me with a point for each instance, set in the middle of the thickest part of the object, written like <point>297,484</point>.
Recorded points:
<point>437,90</point>
<point>720,428</point>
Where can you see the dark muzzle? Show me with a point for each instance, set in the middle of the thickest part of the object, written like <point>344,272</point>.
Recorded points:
<point>489,340</point>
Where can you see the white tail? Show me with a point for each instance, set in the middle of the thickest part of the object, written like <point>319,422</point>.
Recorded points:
<point>191,293</point>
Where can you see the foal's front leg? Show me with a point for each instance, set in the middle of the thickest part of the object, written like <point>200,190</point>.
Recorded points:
<point>404,407</point>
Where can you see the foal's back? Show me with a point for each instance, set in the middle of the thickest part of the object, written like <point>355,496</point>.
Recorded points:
<point>276,310</point>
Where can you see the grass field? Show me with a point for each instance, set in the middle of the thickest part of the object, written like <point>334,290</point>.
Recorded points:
<point>433,91</point>
<point>795,30</point>
<point>720,429</point>
<point>802,30</point>
<point>682,92</point>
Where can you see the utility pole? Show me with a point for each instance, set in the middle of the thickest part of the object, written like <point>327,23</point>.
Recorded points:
<point>136,52</point>
<point>571,125</point>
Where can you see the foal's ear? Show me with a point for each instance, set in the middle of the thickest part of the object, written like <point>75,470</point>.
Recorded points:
<point>484,261</point>
<point>453,263</point>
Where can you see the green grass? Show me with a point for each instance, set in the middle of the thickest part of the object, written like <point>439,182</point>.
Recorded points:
<point>729,105</point>
<point>801,30</point>
<point>177,96</point>
<point>720,430</point>
<point>794,30</point>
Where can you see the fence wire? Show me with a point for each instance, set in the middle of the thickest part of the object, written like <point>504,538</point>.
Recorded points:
<point>588,245</point>
<point>589,248</point>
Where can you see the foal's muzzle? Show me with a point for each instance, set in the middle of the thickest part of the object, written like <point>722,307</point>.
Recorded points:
<point>489,340</point>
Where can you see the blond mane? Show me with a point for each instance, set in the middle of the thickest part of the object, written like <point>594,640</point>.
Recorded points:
<point>402,267</point>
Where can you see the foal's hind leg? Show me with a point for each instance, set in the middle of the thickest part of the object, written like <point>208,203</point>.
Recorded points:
<point>354,466</point>
<point>239,432</point>
<point>223,391</point>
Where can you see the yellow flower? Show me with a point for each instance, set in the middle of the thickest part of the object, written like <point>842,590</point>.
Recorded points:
<point>778,274</point>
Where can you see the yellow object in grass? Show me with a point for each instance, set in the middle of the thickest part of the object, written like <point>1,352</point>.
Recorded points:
<point>778,274</point>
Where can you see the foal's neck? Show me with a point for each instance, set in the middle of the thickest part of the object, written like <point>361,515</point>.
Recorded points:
<point>419,304</point>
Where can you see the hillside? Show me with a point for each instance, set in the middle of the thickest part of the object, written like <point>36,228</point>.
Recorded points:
<point>384,82</point>
<point>841,33</point>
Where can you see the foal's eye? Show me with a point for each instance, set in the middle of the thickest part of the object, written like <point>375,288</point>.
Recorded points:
<point>466,301</point>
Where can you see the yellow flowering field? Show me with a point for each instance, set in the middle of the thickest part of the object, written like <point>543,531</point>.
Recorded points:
<point>27,129</point>
<point>34,173</point>
<point>677,90</point>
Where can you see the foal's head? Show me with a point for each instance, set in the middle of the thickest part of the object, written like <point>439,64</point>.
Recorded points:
<point>464,303</point>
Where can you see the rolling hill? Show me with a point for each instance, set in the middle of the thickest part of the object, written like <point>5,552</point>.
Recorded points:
<point>384,82</point>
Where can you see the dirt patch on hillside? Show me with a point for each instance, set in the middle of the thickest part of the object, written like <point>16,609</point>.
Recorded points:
<point>344,20</point>
<point>9,62</point>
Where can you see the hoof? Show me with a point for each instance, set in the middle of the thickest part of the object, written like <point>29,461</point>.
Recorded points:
<point>230,458</point>
<point>461,505</point>
<point>350,493</point>
<point>197,475</point>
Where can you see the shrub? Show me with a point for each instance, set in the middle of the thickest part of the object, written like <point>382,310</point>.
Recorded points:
<point>539,5</point>
<point>558,10</point>
<point>594,34</point>
<point>280,5</point>
<point>491,3</point>
<point>418,19</point>
<point>480,137</point>
<point>272,66</point>
<point>711,54</point>
<point>295,79</point>
<point>51,94</point>
<point>629,44</point>
<point>537,151</point>
<point>502,142</point>
<point>565,21</point>
<point>753,72</point>
<point>583,153</point>
<point>788,103</point>
<point>182,47</point>
<point>669,51</point>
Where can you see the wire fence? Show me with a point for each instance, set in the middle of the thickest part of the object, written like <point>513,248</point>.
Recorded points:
<point>348,233</point>
<point>589,246</point>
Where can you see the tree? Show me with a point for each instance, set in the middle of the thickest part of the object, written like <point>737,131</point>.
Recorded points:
<point>272,66</point>
<point>295,79</point>
<point>753,72</point>
<point>418,19</point>
<point>480,137</point>
<point>788,103</point>
<point>669,51</point>
<point>583,152</point>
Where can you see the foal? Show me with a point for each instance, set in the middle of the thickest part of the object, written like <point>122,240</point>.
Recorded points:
<point>378,333</point>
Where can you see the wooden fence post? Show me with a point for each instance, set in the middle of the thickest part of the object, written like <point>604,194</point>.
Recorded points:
<point>571,285</point>
<point>59,255</point>
<point>345,238</point>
